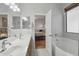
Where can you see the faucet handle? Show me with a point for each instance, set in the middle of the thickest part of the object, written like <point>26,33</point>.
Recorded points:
<point>4,41</point>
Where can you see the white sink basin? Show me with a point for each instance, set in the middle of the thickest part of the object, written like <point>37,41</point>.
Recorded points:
<point>11,51</point>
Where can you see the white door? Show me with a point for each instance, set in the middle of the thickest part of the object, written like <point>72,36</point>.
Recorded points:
<point>49,33</point>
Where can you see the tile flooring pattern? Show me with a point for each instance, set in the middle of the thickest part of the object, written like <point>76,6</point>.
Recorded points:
<point>42,52</point>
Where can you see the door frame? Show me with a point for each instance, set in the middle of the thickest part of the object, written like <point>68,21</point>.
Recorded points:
<point>34,23</point>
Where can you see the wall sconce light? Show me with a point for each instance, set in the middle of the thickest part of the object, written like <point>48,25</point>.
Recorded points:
<point>25,18</point>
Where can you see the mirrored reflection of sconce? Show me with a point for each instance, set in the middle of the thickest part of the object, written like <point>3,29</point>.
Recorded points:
<point>25,18</point>
<point>25,22</point>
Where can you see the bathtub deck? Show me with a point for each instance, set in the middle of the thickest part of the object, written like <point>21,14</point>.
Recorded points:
<point>60,52</point>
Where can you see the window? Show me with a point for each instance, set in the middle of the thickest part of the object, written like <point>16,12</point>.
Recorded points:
<point>72,14</point>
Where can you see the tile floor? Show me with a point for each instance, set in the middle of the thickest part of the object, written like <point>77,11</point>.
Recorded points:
<point>42,52</point>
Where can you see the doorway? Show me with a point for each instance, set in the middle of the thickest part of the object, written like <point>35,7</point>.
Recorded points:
<point>40,41</point>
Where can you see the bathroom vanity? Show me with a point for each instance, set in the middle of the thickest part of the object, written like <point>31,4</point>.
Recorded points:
<point>19,47</point>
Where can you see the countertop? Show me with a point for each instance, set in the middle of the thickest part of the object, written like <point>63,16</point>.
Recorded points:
<point>23,44</point>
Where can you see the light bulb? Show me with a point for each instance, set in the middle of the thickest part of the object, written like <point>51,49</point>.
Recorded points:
<point>11,7</point>
<point>18,9</point>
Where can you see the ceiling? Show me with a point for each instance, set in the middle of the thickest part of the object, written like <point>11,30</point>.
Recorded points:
<point>29,8</point>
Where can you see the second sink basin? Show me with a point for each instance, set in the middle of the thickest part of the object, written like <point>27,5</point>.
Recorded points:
<point>11,51</point>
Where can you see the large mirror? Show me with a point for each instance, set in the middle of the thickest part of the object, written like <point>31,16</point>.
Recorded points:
<point>16,22</point>
<point>3,26</point>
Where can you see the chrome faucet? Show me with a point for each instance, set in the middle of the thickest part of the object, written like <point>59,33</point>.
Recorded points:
<point>3,45</point>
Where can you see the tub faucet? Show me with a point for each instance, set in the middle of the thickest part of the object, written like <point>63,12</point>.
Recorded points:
<point>3,45</point>
<point>55,35</point>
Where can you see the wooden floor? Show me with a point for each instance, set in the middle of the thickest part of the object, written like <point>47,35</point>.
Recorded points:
<point>40,42</point>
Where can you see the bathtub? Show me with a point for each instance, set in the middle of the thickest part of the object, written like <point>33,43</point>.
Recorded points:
<point>66,47</point>
<point>60,52</point>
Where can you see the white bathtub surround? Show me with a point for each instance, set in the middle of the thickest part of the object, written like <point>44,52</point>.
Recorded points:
<point>18,47</point>
<point>42,52</point>
<point>60,52</point>
<point>66,45</point>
